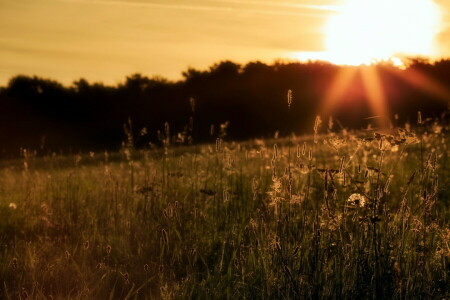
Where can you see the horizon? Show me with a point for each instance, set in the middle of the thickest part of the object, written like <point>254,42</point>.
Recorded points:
<point>406,64</point>
<point>105,40</point>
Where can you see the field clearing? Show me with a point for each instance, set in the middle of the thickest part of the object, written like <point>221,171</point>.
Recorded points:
<point>341,215</point>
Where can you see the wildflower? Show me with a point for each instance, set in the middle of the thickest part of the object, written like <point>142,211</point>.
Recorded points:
<point>336,143</point>
<point>357,200</point>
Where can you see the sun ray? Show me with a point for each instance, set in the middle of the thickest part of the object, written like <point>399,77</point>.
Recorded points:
<point>338,88</point>
<point>425,83</point>
<point>375,96</point>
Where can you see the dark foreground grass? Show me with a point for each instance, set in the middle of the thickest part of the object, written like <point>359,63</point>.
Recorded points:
<point>361,216</point>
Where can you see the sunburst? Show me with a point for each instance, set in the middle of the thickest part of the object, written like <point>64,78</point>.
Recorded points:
<point>365,32</point>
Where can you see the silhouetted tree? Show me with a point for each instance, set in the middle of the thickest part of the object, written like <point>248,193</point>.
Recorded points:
<point>44,115</point>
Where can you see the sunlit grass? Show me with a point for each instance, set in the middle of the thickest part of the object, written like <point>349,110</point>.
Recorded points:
<point>341,215</point>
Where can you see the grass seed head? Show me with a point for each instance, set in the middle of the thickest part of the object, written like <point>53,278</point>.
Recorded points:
<point>289,98</point>
<point>192,103</point>
<point>317,124</point>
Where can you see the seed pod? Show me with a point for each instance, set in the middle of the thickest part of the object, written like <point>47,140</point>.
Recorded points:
<point>289,98</point>
<point>411,178</point>
<point>435,161</point>
<point>333,196</point>
<point>167,129</point>
<point>192,103</point>
<point>218,145</point>
<point>436,183</point>
<point>317,123</point>
<point>225,196</point>
<point>386,186</point>
<point>341,167</point>
<point>165,236</point>
<point>255,185</point>
<point>427,163</point>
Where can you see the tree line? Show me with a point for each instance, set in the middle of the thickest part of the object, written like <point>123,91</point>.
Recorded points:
<point>247,101</point>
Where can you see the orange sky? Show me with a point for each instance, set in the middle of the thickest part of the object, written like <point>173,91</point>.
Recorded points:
<point>105,40</point>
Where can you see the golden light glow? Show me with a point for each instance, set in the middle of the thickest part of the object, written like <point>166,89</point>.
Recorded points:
<point>376,97</point>
<point>372,30</point>
<point>425,83</point>
<point>337,89</point>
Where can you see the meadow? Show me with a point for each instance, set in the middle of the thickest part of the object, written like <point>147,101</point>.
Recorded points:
<point>334,215</point>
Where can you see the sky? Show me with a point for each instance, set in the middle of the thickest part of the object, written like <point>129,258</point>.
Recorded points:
<point>107,40</point>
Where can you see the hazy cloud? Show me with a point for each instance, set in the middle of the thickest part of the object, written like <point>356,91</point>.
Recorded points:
<point>211,8</point>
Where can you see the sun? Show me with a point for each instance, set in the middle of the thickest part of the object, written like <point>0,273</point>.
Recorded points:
<point>364,31</point>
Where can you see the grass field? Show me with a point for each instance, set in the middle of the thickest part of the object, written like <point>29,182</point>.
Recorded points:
<point>339,215</point>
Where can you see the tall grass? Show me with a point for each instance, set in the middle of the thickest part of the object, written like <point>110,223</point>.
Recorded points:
<point>348,215</point>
